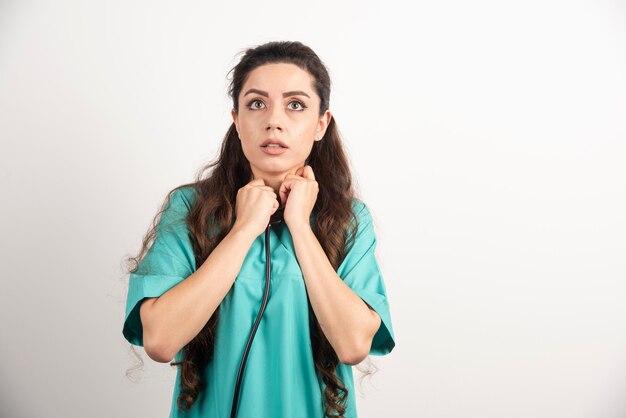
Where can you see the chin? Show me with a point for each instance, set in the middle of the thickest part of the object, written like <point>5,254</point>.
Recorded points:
<point>274,167</point>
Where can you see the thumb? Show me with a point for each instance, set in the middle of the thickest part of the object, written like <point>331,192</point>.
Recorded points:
<point>283,191</point>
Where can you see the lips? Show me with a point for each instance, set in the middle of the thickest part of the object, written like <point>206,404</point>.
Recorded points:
<point>274,141</point>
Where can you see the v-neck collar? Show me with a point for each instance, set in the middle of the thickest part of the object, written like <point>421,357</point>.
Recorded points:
<point>283,238</point>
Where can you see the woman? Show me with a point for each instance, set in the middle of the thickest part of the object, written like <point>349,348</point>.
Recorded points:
<point>195,293</point>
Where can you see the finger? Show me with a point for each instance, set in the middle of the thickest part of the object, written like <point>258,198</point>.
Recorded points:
<point>269,190</point>
<point>292,177</point>
<point>299,171</point>
<point>284,190</point>
<point>308,173</point>
<point>265,188</point>
<point>275,207</point>
<point>256,182</point>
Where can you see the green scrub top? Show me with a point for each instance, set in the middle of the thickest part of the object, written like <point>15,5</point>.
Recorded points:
<point>280,379</point>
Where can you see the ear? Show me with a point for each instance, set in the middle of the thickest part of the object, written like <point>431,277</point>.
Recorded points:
<point>322,125</point>
<point>234,116</point>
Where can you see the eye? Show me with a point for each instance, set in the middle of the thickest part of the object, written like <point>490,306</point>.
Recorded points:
<point>296,105</point>
<point>256,104</point>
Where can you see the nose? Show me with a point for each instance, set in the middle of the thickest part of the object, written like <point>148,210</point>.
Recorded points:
<point>275,118</point>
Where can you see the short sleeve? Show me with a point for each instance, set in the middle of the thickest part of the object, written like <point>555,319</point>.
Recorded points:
<point>167,262</point>
<point>360,271</point>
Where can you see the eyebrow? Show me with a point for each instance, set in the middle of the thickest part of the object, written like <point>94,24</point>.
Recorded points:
<point>286,94</point>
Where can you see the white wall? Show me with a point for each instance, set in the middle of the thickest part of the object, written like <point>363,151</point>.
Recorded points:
<point>487,137</point>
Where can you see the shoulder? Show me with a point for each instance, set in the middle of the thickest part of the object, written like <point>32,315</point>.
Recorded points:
<point>181,199</point>
<point>183,196</point>
<point>358,205</point>
<point>361,224</point>
<point>177,205</point>
<point>361,211</point>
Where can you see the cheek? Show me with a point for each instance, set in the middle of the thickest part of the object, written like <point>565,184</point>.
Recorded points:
<point>246,139</point>
<point>307,129</point>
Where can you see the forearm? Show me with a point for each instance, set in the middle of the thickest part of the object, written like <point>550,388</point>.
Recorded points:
<point>176,317</point>
<point>347,321</point>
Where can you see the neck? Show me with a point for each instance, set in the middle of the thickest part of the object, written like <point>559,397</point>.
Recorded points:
<point>273,180</point>
<point>274,183</point>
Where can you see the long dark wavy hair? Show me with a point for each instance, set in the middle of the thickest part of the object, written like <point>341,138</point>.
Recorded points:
<point>216,186</point>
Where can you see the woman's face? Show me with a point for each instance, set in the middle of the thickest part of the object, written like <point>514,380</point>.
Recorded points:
<point>278,102</point>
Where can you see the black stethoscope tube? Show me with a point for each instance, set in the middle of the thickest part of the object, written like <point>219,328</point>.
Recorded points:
<point>266,294</point>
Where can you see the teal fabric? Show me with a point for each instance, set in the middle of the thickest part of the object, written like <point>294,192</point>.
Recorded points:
<point>280,379</point>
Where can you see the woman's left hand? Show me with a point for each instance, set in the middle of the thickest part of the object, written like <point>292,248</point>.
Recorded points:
<point>298,194</point>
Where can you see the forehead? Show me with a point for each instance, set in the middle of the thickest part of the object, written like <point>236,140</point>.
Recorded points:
<point>278,78</point>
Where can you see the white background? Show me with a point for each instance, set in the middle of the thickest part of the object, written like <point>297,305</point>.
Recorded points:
<point>488,139</point>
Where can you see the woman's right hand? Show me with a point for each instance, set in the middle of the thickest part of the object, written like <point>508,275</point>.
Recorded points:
<point>255,204</point>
